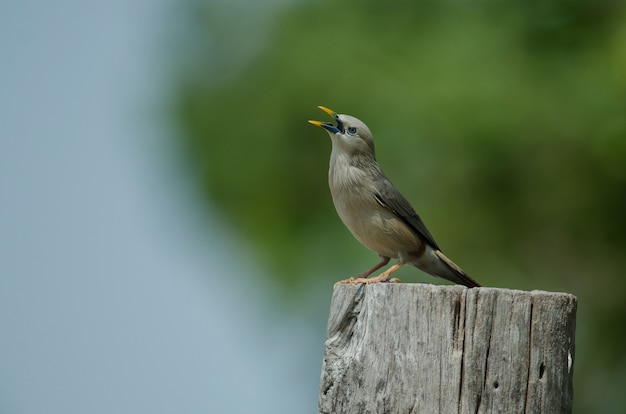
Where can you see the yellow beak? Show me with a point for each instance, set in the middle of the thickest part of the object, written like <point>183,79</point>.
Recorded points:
<point>328,111</point>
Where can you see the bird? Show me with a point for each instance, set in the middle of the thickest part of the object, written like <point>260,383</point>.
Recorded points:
<point>375,212</point>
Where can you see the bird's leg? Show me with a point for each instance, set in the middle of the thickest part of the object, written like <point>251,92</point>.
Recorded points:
<point>383,261</point>
<point>381,278</point>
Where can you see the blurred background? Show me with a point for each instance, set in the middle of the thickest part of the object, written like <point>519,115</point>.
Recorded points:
<point>167,238</point>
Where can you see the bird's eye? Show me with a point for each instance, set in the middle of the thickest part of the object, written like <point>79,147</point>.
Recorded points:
<point>352,130</point>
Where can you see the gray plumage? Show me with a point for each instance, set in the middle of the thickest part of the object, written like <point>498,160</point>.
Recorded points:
<point>374,211</point>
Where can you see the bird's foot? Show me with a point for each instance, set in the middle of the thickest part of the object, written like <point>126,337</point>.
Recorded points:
<point>344,282</point>
<point>382,278</point>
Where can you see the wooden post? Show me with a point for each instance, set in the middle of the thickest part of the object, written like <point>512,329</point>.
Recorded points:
<point>414,348</point>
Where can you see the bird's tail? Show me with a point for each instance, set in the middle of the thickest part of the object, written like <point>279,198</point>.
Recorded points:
<point>454,273</point>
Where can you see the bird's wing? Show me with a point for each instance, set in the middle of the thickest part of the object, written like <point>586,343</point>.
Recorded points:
<point>389,197</point>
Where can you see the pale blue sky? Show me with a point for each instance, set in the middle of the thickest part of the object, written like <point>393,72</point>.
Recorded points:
<point>117,294</point>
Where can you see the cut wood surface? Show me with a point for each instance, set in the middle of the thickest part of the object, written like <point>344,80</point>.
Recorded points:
<point>416,348</point>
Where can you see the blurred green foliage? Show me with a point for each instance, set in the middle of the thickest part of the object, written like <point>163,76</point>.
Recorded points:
<point>504,123</point>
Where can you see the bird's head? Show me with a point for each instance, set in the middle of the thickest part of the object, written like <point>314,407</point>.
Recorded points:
<point>349,135</point>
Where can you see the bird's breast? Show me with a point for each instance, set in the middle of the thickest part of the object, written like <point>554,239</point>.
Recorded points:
<point>376,227</point>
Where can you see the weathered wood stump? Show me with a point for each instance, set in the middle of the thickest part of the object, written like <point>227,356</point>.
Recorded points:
<point>413,348</point>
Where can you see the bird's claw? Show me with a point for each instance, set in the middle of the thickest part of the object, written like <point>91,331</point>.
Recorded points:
<point>343,282</point>
<point>365,281</point>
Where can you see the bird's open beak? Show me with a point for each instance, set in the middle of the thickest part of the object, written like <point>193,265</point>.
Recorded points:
<point>329,125</point>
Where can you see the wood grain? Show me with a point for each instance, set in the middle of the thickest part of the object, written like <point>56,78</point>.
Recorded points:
<point>415,348</point>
